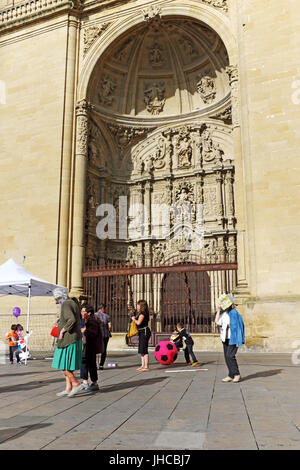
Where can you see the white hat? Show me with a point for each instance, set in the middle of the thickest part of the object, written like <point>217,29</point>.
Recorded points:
<point>225,300</point>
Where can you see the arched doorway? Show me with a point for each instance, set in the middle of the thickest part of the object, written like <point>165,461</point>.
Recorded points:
<point>186,298</point>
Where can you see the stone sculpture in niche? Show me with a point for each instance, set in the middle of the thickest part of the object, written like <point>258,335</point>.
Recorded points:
<point>154,97</point>
<point>107,86</point>
<point>160,153</point>
<point>156,58</point>
<point>206,88</point>
<point>184,149</point>
<point>208,149</point>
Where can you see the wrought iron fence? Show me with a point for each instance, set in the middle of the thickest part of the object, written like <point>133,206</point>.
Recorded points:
<point>179,292</point>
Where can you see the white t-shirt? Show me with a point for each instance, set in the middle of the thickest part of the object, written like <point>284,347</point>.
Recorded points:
<point>224,323</point>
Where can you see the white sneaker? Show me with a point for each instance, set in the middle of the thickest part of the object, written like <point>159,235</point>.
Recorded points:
<point>62,394</point>
<point>76,390</point>
<point>227,379</point>
<point>236,378</point>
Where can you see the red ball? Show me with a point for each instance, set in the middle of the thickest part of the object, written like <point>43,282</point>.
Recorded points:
<point>165,352</point>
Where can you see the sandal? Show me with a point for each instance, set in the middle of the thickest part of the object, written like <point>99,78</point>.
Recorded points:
<point>139,369</point>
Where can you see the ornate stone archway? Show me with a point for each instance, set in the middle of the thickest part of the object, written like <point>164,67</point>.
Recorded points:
<point>158,128</point>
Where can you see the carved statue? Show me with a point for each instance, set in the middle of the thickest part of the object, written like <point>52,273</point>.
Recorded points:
<point>107,86</point>
<point>208,149</point>
<point>184,152</point>
<point>154,97</point>
<point>158,160</point>
<point>206,88</point>
<point>156,56</point>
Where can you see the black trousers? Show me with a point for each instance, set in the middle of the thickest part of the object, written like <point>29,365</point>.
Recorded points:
<point>89,366</point>
<point>230,351</point>
<point>103,355</point>
<point>188,351</point>
<point>12,351</point>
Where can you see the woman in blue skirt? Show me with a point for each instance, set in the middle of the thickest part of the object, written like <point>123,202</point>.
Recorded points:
<point>68,353</point>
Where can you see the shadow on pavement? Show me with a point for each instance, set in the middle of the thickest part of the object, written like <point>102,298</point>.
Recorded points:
<point>13,433</point>
<point>29,386</point>
<point>266,373</point>
<point>133,383</point>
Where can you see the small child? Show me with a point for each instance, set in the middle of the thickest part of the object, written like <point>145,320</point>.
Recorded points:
<point>13,345</point>
<point>184,335</point>
<point>174,338</point>
<point>23,351</point>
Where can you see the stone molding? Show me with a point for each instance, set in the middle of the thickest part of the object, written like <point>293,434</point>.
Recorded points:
<point>31,9</point>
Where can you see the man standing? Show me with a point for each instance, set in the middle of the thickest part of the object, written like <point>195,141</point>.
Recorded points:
<point>105,324</point>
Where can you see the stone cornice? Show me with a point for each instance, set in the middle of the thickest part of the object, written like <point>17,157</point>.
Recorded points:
<point>33,10</point>
<point>30,10</point>
<point>210,112</point>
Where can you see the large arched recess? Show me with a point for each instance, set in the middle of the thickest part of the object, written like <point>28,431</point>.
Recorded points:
<point>210,16</point>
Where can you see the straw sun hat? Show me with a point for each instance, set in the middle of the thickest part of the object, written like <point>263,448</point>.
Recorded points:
<point>225,300</point>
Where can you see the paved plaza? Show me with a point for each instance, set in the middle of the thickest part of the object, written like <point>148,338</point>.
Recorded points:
<point>173,408</point>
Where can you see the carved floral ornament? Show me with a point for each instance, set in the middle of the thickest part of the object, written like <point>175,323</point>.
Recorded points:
<point>91,33</point>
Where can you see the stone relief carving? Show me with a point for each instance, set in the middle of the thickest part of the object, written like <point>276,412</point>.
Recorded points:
<point>217,3</point>
<point>124,136</point>
<point>91,33</point>
<point>105,94</point>
<point>225,115</point>
<point>92,203</point>
<point>156,57</point>
<point>206,88</point>
<point>160,153</point>
<point>151,13</point>
<point>209,150</point>
<point>232,72</point>
<point>82,113</point>
<point>158,252</point>
<point>154,97</point>
<point>184,149</point>
<point>122,53</point>
<point>187,45</point>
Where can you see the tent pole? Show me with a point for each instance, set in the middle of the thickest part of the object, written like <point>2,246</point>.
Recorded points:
<point>27,326</point>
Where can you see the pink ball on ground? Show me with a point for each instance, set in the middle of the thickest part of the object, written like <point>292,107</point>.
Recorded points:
<point>165,352</point>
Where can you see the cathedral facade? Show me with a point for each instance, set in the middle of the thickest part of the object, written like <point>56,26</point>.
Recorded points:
<point>156,110</point>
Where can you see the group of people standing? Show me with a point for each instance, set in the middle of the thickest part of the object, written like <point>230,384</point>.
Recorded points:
<point>85,334</point>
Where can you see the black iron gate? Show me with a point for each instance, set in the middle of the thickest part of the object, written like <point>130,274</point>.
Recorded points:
<point>181,292</point>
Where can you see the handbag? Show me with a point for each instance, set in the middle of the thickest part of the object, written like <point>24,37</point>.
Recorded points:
<point>54,331</point>
<point>133,329</point>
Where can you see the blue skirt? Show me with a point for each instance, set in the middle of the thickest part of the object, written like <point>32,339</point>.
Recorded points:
<point>68,358</point>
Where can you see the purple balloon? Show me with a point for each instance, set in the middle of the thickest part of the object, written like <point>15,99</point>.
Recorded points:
<point>16,312</point>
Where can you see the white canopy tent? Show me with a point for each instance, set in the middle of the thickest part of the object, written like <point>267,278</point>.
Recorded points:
<point>15,280</point>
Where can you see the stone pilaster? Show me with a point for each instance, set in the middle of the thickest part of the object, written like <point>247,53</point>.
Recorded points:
<point>81,155</point>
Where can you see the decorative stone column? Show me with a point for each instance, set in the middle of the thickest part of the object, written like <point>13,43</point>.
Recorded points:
<point>229,198</point>
<point>219,203</point>
<point>66,155</point>
<point>240,203</point>
<point>147,209</point>
<point>80,170</point>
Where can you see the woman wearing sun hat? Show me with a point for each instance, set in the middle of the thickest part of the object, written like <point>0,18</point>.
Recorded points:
<point>232,334</point>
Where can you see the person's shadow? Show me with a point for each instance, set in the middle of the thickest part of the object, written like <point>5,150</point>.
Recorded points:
<point>266,373</point>
<point>9,434</point>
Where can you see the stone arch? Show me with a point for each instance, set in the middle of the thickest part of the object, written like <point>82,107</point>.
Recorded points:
<point>199,12</point>
<point>218,128</point>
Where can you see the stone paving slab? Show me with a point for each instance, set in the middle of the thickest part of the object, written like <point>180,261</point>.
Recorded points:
<point>167,408</point>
